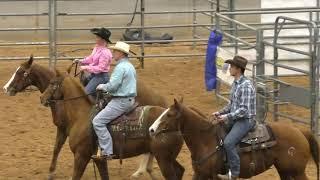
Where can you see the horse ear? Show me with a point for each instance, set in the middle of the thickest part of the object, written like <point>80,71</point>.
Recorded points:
<point>176,103</point>
<point>69,69</point>
<point>181,100</point>
<point>30,61</point>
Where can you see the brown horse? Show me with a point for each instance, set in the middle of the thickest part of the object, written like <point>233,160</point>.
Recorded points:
<point>81,140</point>
<point>290,155</point>
<point>29,73</point>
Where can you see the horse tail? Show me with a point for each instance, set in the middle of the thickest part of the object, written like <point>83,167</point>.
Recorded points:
<point>314,147</point>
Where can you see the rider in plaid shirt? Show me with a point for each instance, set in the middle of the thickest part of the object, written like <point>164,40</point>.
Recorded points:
<point>238,115</point>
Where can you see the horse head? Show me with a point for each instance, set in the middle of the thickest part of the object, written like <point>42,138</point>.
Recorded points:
<point>20,80</point>
<point>169,120</point>
<point>54,90</point>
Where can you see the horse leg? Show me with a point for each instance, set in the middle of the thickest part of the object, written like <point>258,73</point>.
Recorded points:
<point>179,169</point>
<point>103,169</point>
<point>80,164</point>
<point>143,167</point>
<point>167,168</point>
<point>60,140</point>
<point>301,176</point>
<point>284,176</point>
<point>150,167</point>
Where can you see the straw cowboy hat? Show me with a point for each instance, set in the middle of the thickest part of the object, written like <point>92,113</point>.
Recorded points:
<point>121,46</point>
<point>238,61</point>
<point>102,32</point>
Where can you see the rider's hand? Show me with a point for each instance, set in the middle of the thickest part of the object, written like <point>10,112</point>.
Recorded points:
<point>99,87</point>
<point>83,68</point>
<point>76,61</point>
<point>222,118</point>
<point>215,115</point>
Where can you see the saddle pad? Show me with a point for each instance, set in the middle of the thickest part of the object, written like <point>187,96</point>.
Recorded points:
<point>259,134</point>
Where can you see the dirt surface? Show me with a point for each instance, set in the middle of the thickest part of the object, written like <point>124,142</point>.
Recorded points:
<point>27,133</point>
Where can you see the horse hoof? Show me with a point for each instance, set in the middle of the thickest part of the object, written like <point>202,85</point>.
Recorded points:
<point>136,175</point>
<point>51,177</point>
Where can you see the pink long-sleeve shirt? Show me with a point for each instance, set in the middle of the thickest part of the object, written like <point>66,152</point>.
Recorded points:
<point>99,61</point>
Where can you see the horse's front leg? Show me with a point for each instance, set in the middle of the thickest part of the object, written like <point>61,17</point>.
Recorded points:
<point>61,137</point>
<point>103,169</point>
<point>80,163</point>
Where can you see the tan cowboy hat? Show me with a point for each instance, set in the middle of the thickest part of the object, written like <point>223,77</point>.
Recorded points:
<point>121,46</point>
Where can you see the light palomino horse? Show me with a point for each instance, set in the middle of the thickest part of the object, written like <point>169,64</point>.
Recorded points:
<point>31,74</point>
<point>290,155</point>
<point>83,145</point>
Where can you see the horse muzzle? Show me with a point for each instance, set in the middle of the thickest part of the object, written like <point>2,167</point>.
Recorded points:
<point>10,91</point>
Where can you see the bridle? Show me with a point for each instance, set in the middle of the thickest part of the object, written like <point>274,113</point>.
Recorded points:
<point>56,86</point>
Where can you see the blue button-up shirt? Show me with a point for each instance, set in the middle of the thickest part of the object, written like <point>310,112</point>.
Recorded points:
<point>242,100</point>
<point>123,80</point>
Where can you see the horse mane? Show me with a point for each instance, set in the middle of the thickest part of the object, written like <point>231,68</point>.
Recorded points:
<point>73,88</point>
<point>198,112</point>
<point>195,114</point>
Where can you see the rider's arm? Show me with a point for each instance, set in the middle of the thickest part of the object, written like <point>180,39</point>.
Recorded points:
<point>104,62</point>
<point>115,79</point>
<point>88,59</point>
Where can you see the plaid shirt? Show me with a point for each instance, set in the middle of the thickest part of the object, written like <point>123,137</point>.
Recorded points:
<point>242,100</point>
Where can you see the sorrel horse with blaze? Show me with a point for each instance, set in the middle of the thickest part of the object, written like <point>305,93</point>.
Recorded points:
<point>77,105</point>
<point>290,155</point>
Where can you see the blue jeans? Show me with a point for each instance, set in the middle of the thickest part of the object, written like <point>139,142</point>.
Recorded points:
<point>239,128</point>
<point>94,81</point>
<point>115,108</point>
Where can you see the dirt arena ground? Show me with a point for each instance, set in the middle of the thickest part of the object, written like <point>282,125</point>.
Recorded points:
<point>27,133</point>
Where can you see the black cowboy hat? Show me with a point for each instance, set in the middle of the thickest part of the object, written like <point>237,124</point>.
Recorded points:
<point>102,32</point>
<point>238,61</point>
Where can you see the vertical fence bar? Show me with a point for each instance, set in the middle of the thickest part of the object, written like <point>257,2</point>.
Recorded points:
<point>314,79</point>
<point>275,73</point>
<point>194,30</point>
<point>231,24</point>
<point>52,33</point>
<point>260,71</point>
<point>142,6</point>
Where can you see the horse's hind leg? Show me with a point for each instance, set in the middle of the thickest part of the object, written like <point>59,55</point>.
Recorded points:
<point>144,165</point>
<point>149,166</point>
<point>60,140</point>
<point>284,176</point>
<point>80,164</point>
<point>179,169</point>
<point>103,169</point>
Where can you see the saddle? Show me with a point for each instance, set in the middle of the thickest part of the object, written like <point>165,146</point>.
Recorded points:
<point>260,137</point>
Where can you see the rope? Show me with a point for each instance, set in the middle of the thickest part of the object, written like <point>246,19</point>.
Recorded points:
<point>134,13</point>
<point>73,98</point>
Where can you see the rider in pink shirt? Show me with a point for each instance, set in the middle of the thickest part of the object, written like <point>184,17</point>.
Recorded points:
<point>97,65</point>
